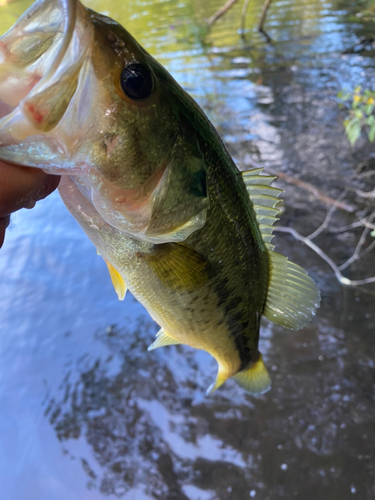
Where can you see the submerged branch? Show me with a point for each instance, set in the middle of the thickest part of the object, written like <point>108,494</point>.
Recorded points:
<point>328,216</point>
<point>359,246</point>
<point>307,187</point>
<point>359,223</point>
<point>324,256</point>
<point>220,12</point>
<point>262,20</point>
<point>316,192</point>
<point>365,194</point>
<point>243,14</point>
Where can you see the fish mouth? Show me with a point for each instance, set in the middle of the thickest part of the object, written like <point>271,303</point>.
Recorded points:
<point>41,58</point>
<point>56,109</point>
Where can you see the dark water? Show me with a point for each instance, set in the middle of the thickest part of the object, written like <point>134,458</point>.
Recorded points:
<point>86,412</point>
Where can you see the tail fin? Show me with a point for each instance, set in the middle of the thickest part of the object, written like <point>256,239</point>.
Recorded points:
<point>254,379</point>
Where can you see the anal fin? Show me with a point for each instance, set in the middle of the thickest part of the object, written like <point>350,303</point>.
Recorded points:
<point>255,379</point>
<point>117,280</point>
<point>220,379</point>
<point>162,339</point>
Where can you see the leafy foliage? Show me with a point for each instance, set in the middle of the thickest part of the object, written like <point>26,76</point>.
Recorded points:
<point>361,116</point>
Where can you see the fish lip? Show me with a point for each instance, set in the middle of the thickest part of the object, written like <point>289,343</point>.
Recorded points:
<point>36,75</point>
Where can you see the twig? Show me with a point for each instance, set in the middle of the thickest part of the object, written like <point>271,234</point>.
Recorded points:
<point>307,186</point>
<point>266,6</point>
<point>369,248</point>
<point>220,12</point>
<point>243,14</point>
<point>359,246</point>
<point>365,174</point>
<point>316,192</point>
<point>328,216</point>
<point>324,256</point>
<point>359,223</point>
<point>365,194</point>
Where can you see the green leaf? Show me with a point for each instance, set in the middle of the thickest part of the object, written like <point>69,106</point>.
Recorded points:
<point>370,120</point>
<point>358,113</point>
<point>368,109</point>
<point>371,134</point>
<point>353,133</point>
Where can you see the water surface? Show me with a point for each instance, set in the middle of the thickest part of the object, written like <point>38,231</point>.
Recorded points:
<point>86,412</point>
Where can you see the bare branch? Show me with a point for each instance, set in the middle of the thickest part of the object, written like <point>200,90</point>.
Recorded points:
<point>369,248</point>
<point>365,174</point>
<point>220,12</point>
<point>328,216</point>
<point>305,185</point>
<point>359,223</point>
<point>359,246</point>
<point>365,194</point>
<point>243,14</point>
<point>266,6</point>
<point>324,256</point>
<point>316,192</point>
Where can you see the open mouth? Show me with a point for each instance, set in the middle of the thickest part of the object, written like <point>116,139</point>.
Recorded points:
<point>39,65</point>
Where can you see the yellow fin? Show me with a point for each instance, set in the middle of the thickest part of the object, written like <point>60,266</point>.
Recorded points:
<point>117,281</point>
<point>292,297</point>
<point>162,339</point>
<point>177,266</point>
<point>220,379</point>
<point>255,379</point>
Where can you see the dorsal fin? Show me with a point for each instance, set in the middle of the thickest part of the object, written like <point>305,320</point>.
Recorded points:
<point>292,297</point>
<point>265,200</point>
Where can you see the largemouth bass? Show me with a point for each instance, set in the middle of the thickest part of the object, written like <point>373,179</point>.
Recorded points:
<point>151,183</point>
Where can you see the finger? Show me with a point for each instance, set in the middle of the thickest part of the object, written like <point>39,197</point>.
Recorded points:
<point>21,187</point>
<point>4,223</point>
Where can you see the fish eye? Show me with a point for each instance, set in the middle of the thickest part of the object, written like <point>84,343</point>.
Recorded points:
<point>136,81</point>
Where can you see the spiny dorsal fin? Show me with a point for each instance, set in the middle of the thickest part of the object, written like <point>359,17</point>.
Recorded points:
<point>265,200</point>
<point>292,297</point>
<point>117,280</point>
<point>162,339</point>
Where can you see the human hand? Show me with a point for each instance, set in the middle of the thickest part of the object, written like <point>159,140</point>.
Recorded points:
<point>21,187</point>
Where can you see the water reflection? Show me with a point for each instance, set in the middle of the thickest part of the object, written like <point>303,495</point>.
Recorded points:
<point>87,413</point>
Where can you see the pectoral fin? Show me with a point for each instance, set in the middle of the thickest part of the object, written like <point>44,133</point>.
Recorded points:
<point>162,339</point>
<point>117,281</point>
<point>178,267</point>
